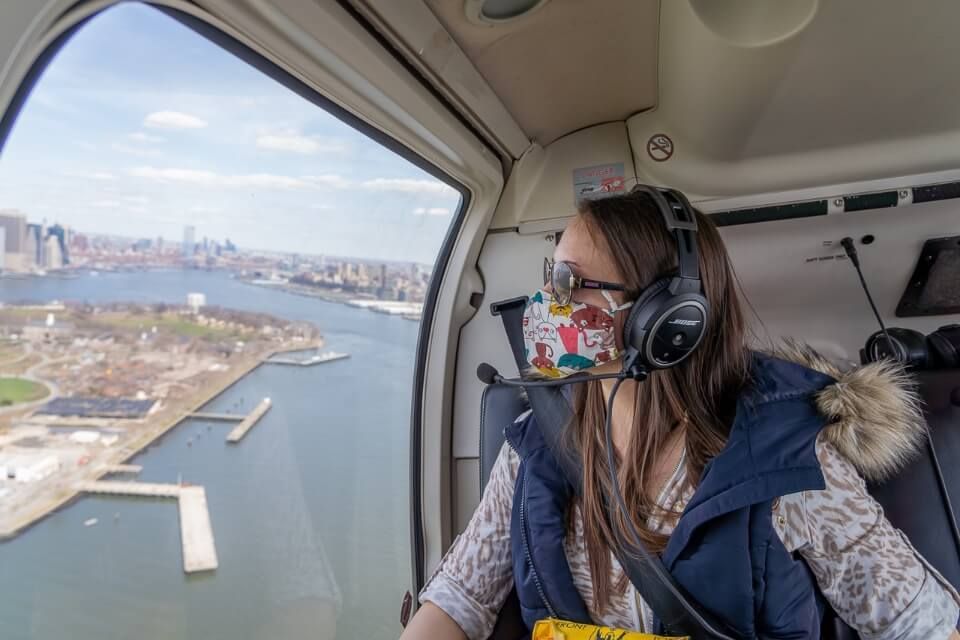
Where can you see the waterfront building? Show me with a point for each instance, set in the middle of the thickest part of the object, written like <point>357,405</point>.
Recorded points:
<point>196,301</point>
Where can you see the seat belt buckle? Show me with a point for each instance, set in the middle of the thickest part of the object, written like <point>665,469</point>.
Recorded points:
<point>555,629</point>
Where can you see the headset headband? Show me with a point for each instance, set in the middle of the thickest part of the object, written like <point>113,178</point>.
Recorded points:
<point>682,222</point>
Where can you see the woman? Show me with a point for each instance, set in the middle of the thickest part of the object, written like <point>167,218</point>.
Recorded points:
<point>751,462</point>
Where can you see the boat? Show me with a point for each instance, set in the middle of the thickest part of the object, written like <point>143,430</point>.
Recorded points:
<point>89,522</point>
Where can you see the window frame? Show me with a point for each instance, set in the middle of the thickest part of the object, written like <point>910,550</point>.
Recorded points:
<point>476,173</point>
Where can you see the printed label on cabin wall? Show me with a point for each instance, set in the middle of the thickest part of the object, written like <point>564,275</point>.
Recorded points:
<point>598,181</point>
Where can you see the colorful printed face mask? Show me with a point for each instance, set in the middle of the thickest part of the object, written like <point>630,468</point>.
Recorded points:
<point>561,340</point>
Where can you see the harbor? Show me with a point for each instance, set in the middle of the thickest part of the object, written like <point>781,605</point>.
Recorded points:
<point>64,490</point>
<point>283,504</point>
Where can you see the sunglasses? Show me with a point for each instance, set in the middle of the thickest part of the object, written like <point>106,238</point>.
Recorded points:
<point>563,281</point>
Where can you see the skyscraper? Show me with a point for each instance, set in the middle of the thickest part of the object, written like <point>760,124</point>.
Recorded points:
<point>52,256</point>
<point>33,246</point>
<point>14,226</point>
<point>58,232</point>
<point>189,244</point>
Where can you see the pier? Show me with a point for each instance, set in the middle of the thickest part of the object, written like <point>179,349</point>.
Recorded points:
<point>196,532</point>
<point>124,468</point>
<point>308,362</point>
<point>220,417</point>
<point>140,489</point>
<point>241,429</point>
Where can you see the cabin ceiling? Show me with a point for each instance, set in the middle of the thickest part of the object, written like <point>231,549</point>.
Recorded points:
<point>756,96</point>
<point>568,65</point>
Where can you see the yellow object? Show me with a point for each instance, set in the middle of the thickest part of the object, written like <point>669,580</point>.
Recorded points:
<point>561,309</point>
<point>553,629</point>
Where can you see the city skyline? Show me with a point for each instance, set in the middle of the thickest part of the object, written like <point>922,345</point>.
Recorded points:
<point>127,134</point>
<point>136,241</point>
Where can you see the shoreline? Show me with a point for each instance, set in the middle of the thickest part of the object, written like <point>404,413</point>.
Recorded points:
<point>141,441</point>
<point>318,293</point>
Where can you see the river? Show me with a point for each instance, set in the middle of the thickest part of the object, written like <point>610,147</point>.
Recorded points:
<point>312,506</point>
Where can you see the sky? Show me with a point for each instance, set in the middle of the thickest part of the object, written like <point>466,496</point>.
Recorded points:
<point>140,127</point>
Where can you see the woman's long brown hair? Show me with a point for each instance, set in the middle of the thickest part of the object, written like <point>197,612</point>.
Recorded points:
<point>700,393</point>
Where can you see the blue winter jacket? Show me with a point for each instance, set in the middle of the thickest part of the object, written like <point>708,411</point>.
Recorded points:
<point>724,551</point>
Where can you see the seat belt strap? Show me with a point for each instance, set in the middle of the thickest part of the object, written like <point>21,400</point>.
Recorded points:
<point>645,570</point>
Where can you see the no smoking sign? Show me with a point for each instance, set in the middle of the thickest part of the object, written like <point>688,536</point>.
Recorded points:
<point>660,147</point>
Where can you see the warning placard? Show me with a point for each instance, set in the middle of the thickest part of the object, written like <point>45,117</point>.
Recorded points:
<point>598,182</point>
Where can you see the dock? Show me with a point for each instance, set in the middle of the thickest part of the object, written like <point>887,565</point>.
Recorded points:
<point>124,468</point>
<point>196,532</point>
<point>308,362</point>
<point>142,489</point>
<point>220,417</point>
<point>253,418</point>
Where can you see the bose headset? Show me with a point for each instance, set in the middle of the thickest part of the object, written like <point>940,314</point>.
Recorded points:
<point>669,318</point>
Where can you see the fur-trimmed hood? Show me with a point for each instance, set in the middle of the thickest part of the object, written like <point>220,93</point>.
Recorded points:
<point>874,412</point>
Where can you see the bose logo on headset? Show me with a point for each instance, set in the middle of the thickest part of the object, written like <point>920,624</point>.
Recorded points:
<point>686,323</point>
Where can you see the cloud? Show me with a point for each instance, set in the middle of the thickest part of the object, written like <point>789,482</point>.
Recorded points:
<point>105,204</point>
<point>212,179</point>
<point>407,185</point>
<point>91,175</point>
<point>297,143</point>
<point>140,136</point>
<point>204,209</point>
<point>136,199</point>
<point>134,151</point>
<point>330,180</point>
<point>432,211</point>
<point>173,120</point>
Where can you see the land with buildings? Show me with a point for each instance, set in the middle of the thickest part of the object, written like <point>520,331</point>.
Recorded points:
<point>35,249</point>
<point>84,388</point>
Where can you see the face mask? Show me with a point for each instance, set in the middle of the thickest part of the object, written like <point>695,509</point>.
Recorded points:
<point>561,340</point>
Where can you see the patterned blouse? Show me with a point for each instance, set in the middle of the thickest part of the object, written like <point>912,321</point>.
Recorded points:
<point>867,570</point>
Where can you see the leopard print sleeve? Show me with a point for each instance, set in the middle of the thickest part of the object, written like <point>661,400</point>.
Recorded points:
<point>476,575</point>
<point>867,570</point>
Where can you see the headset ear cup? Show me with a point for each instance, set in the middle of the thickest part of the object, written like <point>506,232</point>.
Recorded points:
<point>945,347</point>
<point>911,348</point>
<point>640,314</point>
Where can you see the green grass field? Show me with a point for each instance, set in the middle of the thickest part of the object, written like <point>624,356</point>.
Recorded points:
<point>17,390</point>
<point>172,323</point>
